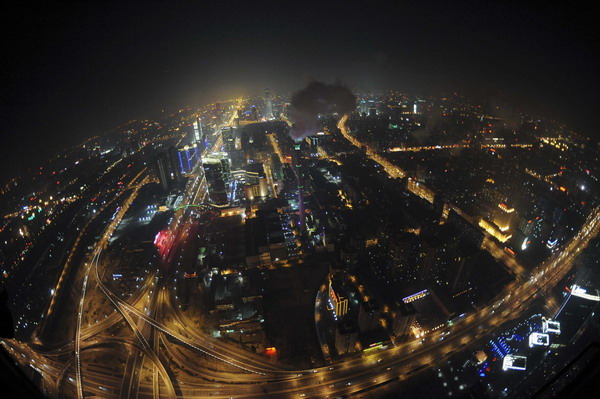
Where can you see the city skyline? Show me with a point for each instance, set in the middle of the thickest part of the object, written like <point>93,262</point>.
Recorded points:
<point>81,69</point>
<point>425,226</point>
<point>300,201</point>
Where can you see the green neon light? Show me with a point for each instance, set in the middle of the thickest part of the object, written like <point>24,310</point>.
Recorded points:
<point>188,206</point>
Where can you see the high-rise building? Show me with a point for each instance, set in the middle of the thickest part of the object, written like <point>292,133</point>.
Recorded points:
<point>466,259</point>
<point>197,133</point>
<point>468,232</point>
<point>276,167</point>
<point>345,338</point>
<point>300,182</point>
<point>363,107</point>
<point>402,251</point>
<point>187,157</point>
<point>503,217</point>
<point>217,172</point>
<point>168,169</point>
<point>404,317</point>
<point>431,257</point>
<point>531,227</point>
<point>368,316</point>
<point>254,180</point>
<point>229,139</point>
<point>268,105</point>
<point>339,304</point>
<point>263,188</point>
<point>217,177</point>
<point>218,113</point>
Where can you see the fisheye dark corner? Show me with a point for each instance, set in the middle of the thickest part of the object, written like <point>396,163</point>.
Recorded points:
<point>299,200</point>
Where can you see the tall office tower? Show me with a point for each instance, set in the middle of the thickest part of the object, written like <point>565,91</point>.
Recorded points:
<point>228,139</point>
<point>218,113</point>
<point>403,252</point>
<point>276,167</point>
<point>188,157</point>
<point>168,169</point>
<point>197,136</point>
<point>431,257</point>
<point>263,189</point>
<point>467,259</point>
<point>363,107</point>
<point>217,172</point>
<point>194,135</point>
<point>345,338</point>
<point>254,114</point>
<point>162,172</point>
<point>255,181</point>
<point>300,182</point>
<point>268,105</point>
<point>368,316</point>
<point>404,317</point>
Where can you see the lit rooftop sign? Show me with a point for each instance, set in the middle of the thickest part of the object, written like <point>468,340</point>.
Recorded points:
<point>538,339</point>
<point>582,293</point>
<point>550,326</point>
<point>514,362</point>
<point>505,208</point>
<point>415,296</point>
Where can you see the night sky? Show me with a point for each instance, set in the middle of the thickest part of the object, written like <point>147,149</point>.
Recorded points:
<point>73,70</point>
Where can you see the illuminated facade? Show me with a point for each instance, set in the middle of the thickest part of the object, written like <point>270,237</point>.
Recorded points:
<point>268,105</point>
<point>503,217</point>
<point>539,339</point>
<point>338,303</point>
<point>188,156</point>
<point>492,230</point>
<point>586,293</point>
<point>415,296</point>
<point>197,134</point>
<point>300,182</point>
<point>420,190</point>
<point>514,362</point>
<point>216,170</point>
<point>550,326</point>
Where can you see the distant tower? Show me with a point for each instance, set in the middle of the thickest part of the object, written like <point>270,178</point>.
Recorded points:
<point>268,105</point>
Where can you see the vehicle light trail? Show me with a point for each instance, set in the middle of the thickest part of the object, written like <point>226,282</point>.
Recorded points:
<point>391,169</point>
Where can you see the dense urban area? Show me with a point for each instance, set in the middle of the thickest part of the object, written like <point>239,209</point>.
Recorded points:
<point>423,246</point>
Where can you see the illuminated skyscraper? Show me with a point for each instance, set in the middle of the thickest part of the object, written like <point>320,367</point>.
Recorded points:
<point>188,156</point>
<point>197,134</point>
<point>217,172</point>
<point>268,105</point>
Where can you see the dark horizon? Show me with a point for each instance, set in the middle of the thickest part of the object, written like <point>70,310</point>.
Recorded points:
<point>77,70</point>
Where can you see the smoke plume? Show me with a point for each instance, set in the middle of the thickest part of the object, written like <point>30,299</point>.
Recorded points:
<point>318,99</point>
